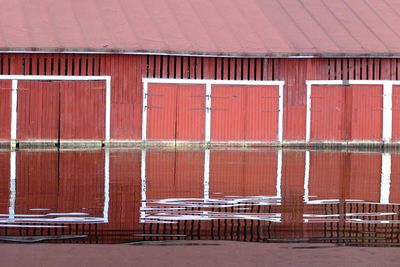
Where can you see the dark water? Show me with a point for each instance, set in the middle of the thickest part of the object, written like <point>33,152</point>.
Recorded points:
<point>154,196</point>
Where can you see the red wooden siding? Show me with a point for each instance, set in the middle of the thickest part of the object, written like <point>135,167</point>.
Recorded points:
<point>396,113</point>
<point>82,110</point>
<point>366,112</point>
<point>191,105</point>
<point>244,113</point>
<point>228,113</point>
<point>346,112</point>
<point>127,72</point>
<point>5,110</point>
<point>161,112</point>
<point>38,110</point>
<point>176,112</point>
<point>4,182</point>
<point>328,113</point>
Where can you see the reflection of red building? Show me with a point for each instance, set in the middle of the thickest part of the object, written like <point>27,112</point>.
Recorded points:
<point>51,182</point>
<point>238,173</point>
<point>336,175</point>
<point>171,174</point>
<point>244,195</point>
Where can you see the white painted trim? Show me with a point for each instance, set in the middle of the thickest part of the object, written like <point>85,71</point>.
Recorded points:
<point>208,113</point>
<point>14,97</point>
<point>212,82</point>
<point>307,177</point>
<point>144,111</point>
<point>352,82</point>
<point>13,190</point>
<point>279,176</point>
<point>53,78</point>
<point>143,187</point>
<point>385,178</point>
<point>308,113</point>
<point>108,109</point>
<point>280,115</point>
<point>14,112</point>
<point>206,182</point>
<point>387,113</point>
<point>143,175</point>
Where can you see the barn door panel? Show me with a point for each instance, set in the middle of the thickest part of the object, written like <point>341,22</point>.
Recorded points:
<point>227,119</point>
<point>328,113</point>
<point>38,110</point>
<point>262,110</point>
<point>191,105</point>
<point>175,112</point>
<point>161,112</point>
<point>396,113</point>
<point>367,107</point>
<point>5,110</point>
<point>82,110</point>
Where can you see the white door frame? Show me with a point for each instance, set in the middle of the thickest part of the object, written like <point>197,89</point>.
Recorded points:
<point>14,97</point>
<point>208,84</point>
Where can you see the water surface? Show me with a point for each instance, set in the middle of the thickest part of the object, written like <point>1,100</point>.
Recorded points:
<point>153,196</point>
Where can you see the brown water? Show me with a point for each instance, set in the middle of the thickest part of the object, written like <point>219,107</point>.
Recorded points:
<point>165,196</point>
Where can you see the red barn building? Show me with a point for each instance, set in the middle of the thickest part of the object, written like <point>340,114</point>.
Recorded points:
<point>232,72</point>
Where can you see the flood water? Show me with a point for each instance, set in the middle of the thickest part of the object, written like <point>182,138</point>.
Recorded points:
<point>159,196</point>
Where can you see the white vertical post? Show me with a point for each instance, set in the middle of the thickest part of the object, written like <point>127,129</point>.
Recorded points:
<point>106,184</point>
<point>13,193</point>
<point>108,109</point>
<point>208,113</point>
<point>206,175</point>
<point>308,113</point>
<point>14,114</point>
<point>385,178</point>
<point>307,177</point>
<point>279,176</point>
<point>387,112</point>
<point>143,184</point>
<point>144,115</point>
<point>280,114</point>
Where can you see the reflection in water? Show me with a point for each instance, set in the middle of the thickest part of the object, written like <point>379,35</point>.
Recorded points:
<point>123,196</point>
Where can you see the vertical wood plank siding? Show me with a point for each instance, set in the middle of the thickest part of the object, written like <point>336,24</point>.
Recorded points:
<point>127,72</point>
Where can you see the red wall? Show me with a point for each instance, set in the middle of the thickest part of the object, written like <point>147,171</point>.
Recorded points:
<point>127,72</point>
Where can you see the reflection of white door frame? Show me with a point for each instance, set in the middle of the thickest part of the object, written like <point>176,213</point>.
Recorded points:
<point>14,97</point>
<point>206,180</point>
<point>208,90</point>
<point>385,180</point>
<point>19,218</point>
<point>387,102</point>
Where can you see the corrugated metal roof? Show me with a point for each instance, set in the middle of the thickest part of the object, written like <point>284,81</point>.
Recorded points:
<point>212,27</point>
